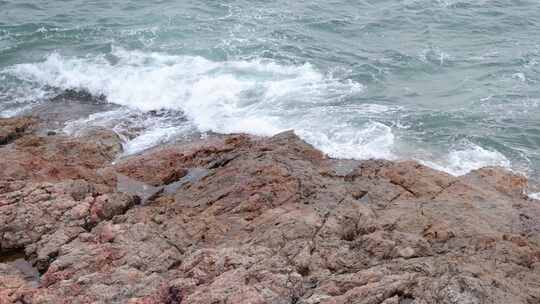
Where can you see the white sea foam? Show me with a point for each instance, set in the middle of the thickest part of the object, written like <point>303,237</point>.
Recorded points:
<point>256,96</point>
<point>151,137</point>
<point>372,140</point>
<point>535,195</point>
<point>108,119</point>
<point>467,158</point>
<point>13,112</point>
<point>138,131</point>
<point>15,99</point>
<point>150,81</point>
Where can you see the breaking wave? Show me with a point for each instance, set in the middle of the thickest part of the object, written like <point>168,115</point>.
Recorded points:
<point>259,97</point>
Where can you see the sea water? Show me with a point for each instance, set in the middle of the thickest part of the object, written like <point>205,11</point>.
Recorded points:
<point>454,84</point>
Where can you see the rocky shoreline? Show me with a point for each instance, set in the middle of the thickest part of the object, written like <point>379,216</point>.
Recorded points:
<point>243,219</point>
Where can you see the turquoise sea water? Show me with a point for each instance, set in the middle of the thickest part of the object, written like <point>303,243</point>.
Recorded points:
<point>454,84</point>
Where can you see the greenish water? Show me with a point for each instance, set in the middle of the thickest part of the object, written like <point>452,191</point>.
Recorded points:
<point>454,84</point>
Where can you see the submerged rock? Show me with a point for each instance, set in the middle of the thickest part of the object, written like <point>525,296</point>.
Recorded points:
<point>241,219</point>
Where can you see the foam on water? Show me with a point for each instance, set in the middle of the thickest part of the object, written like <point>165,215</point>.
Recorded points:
<point>467,158</point>
<point>372,140</point>
<point>259,97</point>
<point>15,99</point>
<point>14,111</point>
<point>151,138</point>
<point>138,130</point>
<point>217,96</point>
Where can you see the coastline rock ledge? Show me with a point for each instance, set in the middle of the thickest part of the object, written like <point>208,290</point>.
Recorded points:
<point>243,219</point>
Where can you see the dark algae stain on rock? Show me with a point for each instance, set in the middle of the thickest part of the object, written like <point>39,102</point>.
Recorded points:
<point>174,296</point>
<point>244,219</point>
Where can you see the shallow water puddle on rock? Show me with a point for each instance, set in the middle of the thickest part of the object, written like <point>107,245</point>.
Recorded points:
<point>194,175</point>
<point>147,192</point>
<point>142,190</point>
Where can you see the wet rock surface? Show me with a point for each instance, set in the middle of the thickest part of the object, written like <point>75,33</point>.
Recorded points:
<point>241,219</point>
<point>12,128</point>
<point>69,105</point>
